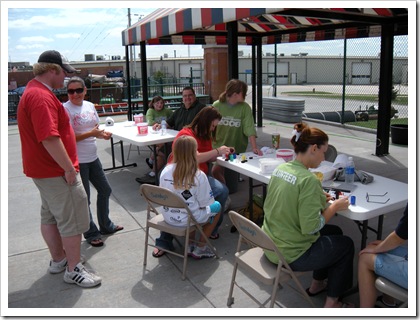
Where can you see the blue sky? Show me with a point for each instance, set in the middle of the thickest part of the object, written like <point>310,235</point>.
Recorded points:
<point>79,28</point>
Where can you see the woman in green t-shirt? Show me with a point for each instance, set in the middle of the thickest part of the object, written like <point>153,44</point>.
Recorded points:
<point>237,124</point>
<point>296,211</point>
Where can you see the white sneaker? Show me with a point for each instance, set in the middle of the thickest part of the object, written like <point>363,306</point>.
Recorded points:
<point>82,277</point>
<point>202,252</point>
<point>58,267</point>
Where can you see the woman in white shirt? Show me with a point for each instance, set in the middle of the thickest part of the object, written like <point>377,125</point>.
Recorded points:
<point>85,122</point>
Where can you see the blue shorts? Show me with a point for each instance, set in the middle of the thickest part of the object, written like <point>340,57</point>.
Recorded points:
<point>393,265</point>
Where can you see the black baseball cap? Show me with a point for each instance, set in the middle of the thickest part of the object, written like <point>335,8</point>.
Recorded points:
<point>52,56</point>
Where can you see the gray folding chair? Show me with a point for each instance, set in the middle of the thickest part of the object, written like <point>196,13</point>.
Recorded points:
<point>254,262</point>
<point>156,197</point>
<point>391,289</point>
<point>331,153</point>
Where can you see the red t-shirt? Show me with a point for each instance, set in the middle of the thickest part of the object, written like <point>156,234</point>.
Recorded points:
<point>41,115</point>
<point>202,146</point>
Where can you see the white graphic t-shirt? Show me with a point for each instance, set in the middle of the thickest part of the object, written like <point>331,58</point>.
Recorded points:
<point>84,118</point>
<point>197,198</point>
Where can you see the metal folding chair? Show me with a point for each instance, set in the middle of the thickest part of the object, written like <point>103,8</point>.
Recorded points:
<point>254,262</point>
<point>156,197</point>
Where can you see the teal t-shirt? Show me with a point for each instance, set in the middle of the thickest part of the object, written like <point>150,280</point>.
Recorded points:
<point>292,210</point>
<point>153,116</point>
<point>236,126</point>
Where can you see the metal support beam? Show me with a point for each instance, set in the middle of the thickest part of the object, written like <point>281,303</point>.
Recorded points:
<point>143,60</point>
<point>232,41</point>
<point>254,82</point>
<point>385,90</point>
<point>259,82</point>
<point>127,69</point>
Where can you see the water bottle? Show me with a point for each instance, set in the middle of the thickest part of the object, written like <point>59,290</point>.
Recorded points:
<point>163,127</point>
<point>349,171</point>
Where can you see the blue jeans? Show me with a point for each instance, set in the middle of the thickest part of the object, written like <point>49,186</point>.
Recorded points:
<point>393,265</point>
<point>331,256</point>
<point>220,193</point>
<point>93,172</point>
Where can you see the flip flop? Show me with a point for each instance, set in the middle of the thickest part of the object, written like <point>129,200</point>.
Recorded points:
<point>96,243</point>
<point>157,253</point>
<point>315,294</point>
<point>214,237</point>
<point>117,228</point>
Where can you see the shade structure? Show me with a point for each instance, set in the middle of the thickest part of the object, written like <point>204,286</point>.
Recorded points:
<point>276,25</point>
<point>259,26</point>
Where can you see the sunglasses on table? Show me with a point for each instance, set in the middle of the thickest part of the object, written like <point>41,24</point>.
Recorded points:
<point>72,91</point>
<point>376,197</point>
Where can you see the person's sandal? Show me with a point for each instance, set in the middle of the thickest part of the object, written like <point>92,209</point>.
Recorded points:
<point>96,243</point>
<point>157,253</point>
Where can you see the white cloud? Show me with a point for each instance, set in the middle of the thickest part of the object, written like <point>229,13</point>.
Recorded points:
<point>36,39</point>
<point>67,35</point>
<point>26,47</point>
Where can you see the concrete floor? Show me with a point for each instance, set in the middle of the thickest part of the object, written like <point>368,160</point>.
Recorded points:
<point>127,285</point>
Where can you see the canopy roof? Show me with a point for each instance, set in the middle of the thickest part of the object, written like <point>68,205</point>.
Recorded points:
<point>273,25</point>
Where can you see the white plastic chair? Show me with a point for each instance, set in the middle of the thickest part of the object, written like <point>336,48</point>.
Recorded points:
<point>254,262</point>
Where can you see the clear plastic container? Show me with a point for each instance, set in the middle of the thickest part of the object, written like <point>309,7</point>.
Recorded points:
<point>349,171</point>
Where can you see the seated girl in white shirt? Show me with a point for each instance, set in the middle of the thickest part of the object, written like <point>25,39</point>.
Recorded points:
<point>185,179</point>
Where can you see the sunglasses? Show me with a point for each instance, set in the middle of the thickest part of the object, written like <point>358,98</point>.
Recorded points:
<point>369,198</point>
<point>78,91</point>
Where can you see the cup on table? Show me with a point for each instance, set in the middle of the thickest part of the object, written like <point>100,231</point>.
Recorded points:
<point>275,139</point>
<point>138,118</point>
<point>286,154</point>
<point>142,128</point>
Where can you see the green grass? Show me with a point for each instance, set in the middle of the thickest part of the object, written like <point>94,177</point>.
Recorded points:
<point>401,99</point>
<point>373,124</point>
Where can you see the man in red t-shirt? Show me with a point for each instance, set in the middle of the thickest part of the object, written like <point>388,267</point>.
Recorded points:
<point>49,157</point>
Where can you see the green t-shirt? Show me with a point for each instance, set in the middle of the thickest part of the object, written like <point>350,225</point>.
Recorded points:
<point>236,126</point>
<point>292,210</point>
<point>153,116</point>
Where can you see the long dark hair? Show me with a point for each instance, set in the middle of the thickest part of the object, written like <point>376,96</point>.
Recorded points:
<point>201,123</point>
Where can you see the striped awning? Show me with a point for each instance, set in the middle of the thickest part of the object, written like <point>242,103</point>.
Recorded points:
<point>273,25</point>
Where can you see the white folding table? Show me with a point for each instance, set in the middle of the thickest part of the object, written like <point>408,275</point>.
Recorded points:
<point>127,131</point>
<point>361,212</point>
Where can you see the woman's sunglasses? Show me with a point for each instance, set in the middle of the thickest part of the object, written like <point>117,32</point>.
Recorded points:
<point>72,91</point>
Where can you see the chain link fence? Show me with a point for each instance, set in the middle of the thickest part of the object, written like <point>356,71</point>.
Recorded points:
<point>343,88</point>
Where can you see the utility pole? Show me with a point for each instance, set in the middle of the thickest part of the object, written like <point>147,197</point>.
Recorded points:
<point>132,61</point>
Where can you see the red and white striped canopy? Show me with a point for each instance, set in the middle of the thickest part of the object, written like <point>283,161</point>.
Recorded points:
<point>275,25</point>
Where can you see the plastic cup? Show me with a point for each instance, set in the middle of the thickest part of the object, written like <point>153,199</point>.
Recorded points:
<point>142,128</point>
<point>138,118</point>
<point>275,139</point>
<point>285,154</point>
